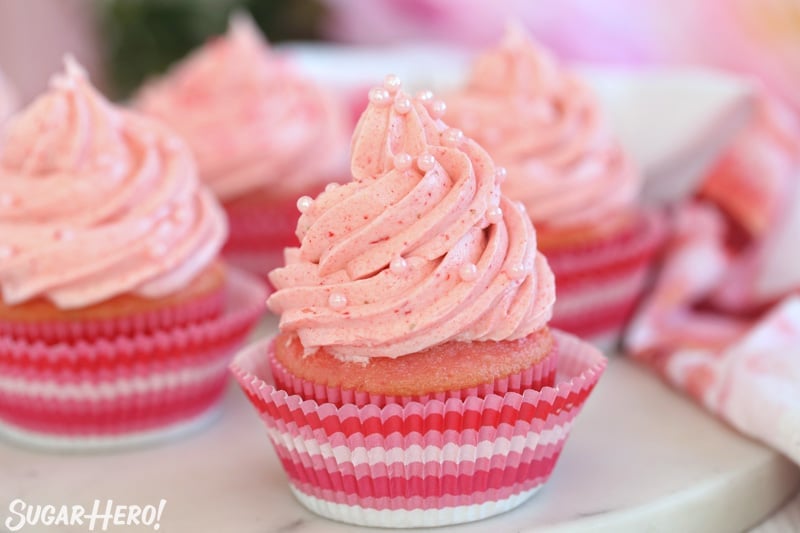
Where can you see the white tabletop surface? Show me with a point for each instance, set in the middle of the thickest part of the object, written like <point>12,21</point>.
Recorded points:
<point>640,457</point>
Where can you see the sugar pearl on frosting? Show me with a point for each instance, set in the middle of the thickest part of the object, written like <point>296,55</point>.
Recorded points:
<point>337,300</point>
<point>426,162</point>
<point>438,109</point>
<point>402,161</point>
<point>500,174</point>
<point>398,265</point>
<point>425,96</point>
<point>379,96</point>
<point>392,83</point>
<point>304,203</point>
<point>468,272</point>
<point>494,214</point>
<point>516,271</point>
<point>402,105</point>
<point>452,137</point>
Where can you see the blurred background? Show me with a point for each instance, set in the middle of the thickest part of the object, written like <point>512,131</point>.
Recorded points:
<point>125,41</point>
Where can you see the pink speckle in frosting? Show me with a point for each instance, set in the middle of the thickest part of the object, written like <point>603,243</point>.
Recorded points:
<point>407,255</point>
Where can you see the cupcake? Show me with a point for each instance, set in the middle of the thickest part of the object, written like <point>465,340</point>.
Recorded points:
<point>117,318</point>
<point>262,134</point>
<point>415,381</point>
<point>579,188</point>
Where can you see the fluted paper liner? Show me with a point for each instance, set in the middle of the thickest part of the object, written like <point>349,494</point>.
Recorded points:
<point>537,376</point>
<point>208,307</point>
<point>423,463</point>
<point>125,385</point>
<point>600,283</point>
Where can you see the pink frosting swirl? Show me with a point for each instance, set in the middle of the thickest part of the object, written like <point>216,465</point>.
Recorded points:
<point>419,249</point>
<point>250,118</point>
<point>544,126</point>
<point>97,202</point>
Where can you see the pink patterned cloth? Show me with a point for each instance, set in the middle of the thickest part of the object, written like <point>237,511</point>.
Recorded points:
<point>723,320</point>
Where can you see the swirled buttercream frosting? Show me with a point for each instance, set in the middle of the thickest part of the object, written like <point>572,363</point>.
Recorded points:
<point>420,248</point>
<point>543,124</point>
<point>251,118</point>
<point>96,201</point>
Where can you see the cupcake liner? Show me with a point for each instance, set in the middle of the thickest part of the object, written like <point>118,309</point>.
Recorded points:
<point>110,388</point>
<point>258,262</point>
<point>537,376</point>
<point>207,307</point>
<point>605,257</point>
<point>425,463</point>
<point>269,225</point>
<point>101,443</point>
<point>601,309</point>
<point>600,284</point>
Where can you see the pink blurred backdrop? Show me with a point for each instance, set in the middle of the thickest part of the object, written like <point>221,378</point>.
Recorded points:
<point>752,37</point>
<point>758,37</point>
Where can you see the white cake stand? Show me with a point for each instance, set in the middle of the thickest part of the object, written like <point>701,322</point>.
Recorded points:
<point>640,458</point>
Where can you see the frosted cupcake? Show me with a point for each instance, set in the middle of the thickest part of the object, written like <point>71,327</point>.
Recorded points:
<point>543,125</point>
<point>262,133</point>
<point>414,377</point>
<point>117,318</point>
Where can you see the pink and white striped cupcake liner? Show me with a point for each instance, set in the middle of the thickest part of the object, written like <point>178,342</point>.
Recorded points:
<point>207,307</point>
<point>124,390</point>
<point>542,374</point>
<point>258,235</point>
<point>599,286</point>
<point>421,463</point>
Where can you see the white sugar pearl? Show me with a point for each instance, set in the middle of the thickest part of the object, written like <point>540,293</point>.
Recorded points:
<point>304,203</point>
<point>426,162</point>
<point>379,96</point>
<point>494,214</point>
<point>398,265</point>
<point>402,161</point>
<point>337,300</point>
<point>392,83</point>
<point>468,272</point>
<point>516,271</point>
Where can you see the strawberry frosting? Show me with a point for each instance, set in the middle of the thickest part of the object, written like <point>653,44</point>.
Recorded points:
<point>543,124</point>
<point>251,119</point>
<point>96,202</point>
<point>420,248</point>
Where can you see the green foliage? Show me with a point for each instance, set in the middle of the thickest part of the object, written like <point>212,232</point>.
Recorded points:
<point>142,38</point>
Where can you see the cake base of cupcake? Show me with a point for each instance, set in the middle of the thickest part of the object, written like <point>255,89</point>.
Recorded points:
<point>123,390</point>
<point>402,518</point>
<point>420,463</point>
<point>110,443</point>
